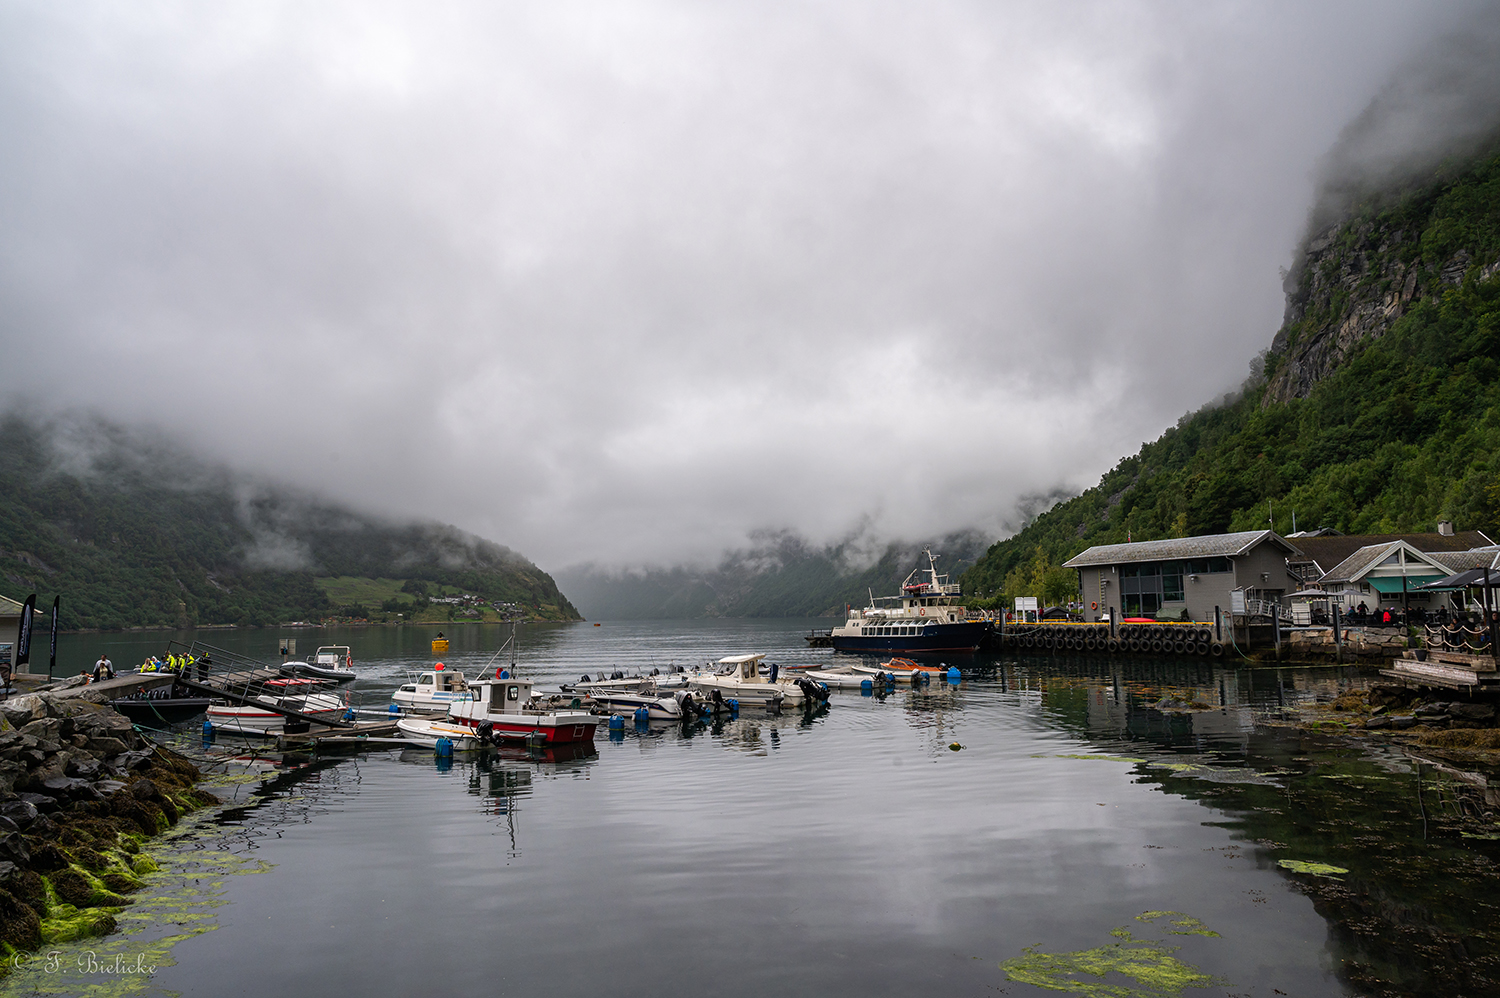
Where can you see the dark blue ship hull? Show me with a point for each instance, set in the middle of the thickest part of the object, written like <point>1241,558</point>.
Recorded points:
<point>934,638</point>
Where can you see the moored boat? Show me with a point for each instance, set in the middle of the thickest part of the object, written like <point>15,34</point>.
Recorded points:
<point>738,677</point>
<point>299,694</point>
<point>498,711</point>
<point>334,663</point>
<point>927,619</point>
<point>431,692</point>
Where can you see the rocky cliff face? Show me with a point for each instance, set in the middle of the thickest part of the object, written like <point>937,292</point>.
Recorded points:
<point>1357,280</point>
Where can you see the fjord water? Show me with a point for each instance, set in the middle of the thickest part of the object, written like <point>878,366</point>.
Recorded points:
<point>849,852</point>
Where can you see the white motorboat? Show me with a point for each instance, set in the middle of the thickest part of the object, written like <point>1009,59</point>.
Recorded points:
<point>431,692</point>
<point>495,711</point>
<point>617,699</point>
<point>299,695</point>
<point>841,678</point>
<point>334,663</point>
<point>738,677</point>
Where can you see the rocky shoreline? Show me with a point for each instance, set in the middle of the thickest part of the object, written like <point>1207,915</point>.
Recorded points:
<point>80,792</point>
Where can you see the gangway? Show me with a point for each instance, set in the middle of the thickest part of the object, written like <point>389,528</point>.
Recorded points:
<point>248,682</point>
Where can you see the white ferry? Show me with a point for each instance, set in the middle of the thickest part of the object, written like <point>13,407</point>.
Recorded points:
<point>923,618</point>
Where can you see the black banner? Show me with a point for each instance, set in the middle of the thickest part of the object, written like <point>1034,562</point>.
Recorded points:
<point>23,637</point>
<point>52,646</point>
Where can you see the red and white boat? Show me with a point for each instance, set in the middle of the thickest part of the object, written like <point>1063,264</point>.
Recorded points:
<point>297,694</point>
<point>499,711</point>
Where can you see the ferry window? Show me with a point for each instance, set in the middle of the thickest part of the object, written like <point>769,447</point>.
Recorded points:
<point>513,693</point>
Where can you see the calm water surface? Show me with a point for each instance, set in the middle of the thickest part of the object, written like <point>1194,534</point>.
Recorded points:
<point>848,853</point>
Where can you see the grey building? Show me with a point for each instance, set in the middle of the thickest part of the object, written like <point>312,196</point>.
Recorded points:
<point>1184,574</point>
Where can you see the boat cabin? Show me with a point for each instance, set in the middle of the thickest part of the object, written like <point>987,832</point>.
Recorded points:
<point>437,680</point>
<point>745,668</point>
<point>503,696</point>
<point>333,657</point>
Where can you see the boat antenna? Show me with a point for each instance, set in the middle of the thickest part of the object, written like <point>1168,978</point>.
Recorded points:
<point>509,642</point>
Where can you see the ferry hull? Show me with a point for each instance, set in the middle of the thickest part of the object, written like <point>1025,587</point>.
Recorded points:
<point>964,637</point>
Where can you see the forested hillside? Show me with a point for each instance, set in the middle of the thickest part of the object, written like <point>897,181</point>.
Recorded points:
<point>133,534</point>
<point>780,576</point>
<point>1377,409</point>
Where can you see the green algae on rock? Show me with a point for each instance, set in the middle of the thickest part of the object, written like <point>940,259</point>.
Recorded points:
<point>1315,869</point>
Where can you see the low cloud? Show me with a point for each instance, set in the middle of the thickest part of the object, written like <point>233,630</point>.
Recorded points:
<point>627,285</point>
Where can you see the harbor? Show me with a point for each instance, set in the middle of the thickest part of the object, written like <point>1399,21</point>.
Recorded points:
<point>1094,789</point>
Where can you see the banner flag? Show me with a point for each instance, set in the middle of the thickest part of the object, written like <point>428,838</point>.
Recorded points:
<point>23,638</point>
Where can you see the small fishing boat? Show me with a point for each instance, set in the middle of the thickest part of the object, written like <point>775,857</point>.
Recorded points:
<point>334,663</point>
<point>497,711</point>
<point>431,692</point>
<point>296,693</point>
<point>440,645</point>
<point>738,677</point>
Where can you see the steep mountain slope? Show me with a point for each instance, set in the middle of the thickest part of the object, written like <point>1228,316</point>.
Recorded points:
<point>134,534</point>
<point>780,576</point>
<point>1377,408</point>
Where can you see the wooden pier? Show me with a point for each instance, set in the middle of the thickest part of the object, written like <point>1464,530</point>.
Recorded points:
<point>1448,670</point>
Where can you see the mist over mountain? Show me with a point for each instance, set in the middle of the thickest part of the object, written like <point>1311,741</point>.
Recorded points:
<point>781,575</point>
<point>134,531</point>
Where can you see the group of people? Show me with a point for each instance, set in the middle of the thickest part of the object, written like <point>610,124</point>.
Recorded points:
<point>178,664</point>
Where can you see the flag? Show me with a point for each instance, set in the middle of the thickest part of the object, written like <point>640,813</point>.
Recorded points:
<point>52,645</point>
<point>23,638</point>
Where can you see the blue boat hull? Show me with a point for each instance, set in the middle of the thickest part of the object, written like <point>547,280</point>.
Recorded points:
<point>940,638</point>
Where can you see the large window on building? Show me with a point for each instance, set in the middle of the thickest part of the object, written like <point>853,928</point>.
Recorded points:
<point>1145,587</point>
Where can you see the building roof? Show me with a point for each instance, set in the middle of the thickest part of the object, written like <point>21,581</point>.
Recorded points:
<point>1328,551</point>
<point>1173,548</point>
<point>12,608</point>
<point>1361,561</point>
<point>1458,561</point>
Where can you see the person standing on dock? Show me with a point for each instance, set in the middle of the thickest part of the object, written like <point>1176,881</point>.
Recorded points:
<point>104,668</point>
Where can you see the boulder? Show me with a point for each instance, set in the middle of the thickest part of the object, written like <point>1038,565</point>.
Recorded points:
<point>13,848</point>
<point>21,812</point>
<point>1473,711</point>
<point>1403,721</point>
<point>41,802</point>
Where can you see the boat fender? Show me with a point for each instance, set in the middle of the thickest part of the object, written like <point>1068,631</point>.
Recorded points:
<point>867,685</point>
<point>443,748</point>
<point>208,729</point>
<point>734,704</point>
<point>642,714</point>
<point>394,708</point>
<point>350,714</point>
<point>953,675</point>
<point>616,723</point>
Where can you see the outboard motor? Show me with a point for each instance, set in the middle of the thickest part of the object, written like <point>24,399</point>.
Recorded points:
<point>773,705</point>
<point>487,733</point>
<point>585,678</point>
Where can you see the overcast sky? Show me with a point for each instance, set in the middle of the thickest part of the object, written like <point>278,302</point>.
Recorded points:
<point>620,282</point>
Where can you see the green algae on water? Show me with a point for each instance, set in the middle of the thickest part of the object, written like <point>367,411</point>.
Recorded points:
<point>1316,869</point>
<point>1153,968</point>
<point>1186,924</point>
<point>1096,756</point>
